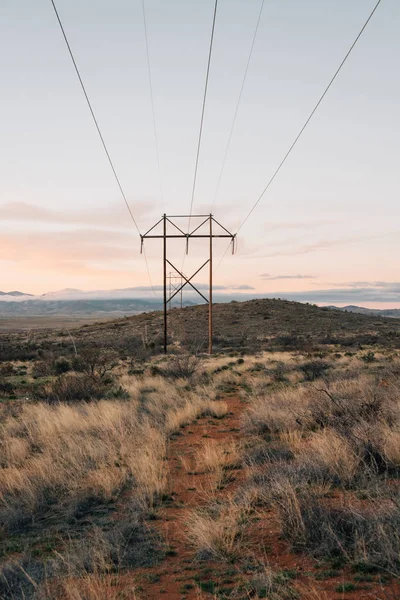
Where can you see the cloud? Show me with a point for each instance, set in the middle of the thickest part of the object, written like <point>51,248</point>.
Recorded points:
<point>115,214</point>
<point>389,292</point>
<point>317,245</point>
<point>199,286</point>
<point>268,277</point>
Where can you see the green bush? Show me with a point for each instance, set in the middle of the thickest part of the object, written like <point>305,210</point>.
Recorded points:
<point>62,365</point>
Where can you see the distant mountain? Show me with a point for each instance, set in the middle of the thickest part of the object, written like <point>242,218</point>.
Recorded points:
<point>14,293</point>
<point>385,312</point>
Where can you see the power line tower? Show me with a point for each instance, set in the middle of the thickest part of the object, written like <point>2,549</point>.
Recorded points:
<point>175,284</point>
<point>170,230</point>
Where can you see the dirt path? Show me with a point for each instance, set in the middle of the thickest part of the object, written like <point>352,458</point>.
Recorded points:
<point>188,489</point>
<point>181,576</point>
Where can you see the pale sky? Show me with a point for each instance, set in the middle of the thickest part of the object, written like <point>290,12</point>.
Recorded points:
<point>331,219</point>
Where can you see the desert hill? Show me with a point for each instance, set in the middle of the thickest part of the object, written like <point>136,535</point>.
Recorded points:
<point>248,325</point>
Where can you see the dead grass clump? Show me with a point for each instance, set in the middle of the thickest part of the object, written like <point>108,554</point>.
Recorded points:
<point>218,460</point>
<point>219,532</point>
<point>274,585</point>
<point>310,524</point>
<point>346,402</point>
<point>276,413</point>
<point>179,366</point>
<point>335,453</point>
<point>88,587</point>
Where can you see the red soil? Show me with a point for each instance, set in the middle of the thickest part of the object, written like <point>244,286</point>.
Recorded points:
<point>173,579</point>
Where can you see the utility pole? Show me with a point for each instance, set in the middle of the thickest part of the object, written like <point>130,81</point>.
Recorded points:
<point>167,223</point>
<point>165,283</point>
<point>210,294</point>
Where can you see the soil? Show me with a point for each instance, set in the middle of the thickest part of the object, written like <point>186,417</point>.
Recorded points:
<point>183,576</point>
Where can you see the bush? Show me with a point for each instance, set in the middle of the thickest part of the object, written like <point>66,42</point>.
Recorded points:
<point>70,389</point>
<point>62,365</point>
<point>96,362</point>
<point>7,369</point>
<point>369,357</point>
<point>181,366</point>
<point>314,369</point>
<point>41,368</point>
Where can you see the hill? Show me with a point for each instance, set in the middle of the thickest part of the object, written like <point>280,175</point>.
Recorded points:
<point>250,325</point>
<point>386,312</point>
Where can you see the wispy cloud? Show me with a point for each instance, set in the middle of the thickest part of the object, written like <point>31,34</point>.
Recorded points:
<point>114,215</point>
<point>268,277</point>
<point>317,246</point>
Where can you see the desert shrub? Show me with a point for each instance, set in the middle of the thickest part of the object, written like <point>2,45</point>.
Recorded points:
<point>41,368</point>
<point>7,369</point>
<point>62,365</point>
<point>181,366</point>
<point>369,357</point>
<point>371,537</point>
<point>97,362</point>
<point>70,389</point>
<point>20,579</point>
<point>346,403</point>
<point>314,369</point>
<point>6,388</point>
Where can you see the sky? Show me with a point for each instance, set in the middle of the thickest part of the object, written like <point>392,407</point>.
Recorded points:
<point>327,230</point>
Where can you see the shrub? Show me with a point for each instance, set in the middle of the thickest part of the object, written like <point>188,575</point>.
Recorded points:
<point>369,357</point>
<point>314,369</point>
<point>62,365</point>
<point>7,369</point>
<point>41,368</point>
<point>70,389</point>
<point>97,362</point>
<point>181,366</point>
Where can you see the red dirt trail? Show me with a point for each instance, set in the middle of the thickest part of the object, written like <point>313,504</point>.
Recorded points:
<point>174,577</point>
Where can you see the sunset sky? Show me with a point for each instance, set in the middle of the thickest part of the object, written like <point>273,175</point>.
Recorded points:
<point>328,229</point>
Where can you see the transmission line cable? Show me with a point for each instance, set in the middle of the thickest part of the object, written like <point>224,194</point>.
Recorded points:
<point>238,105</point>
<point>148,271</point>
<point>203,111</point>
<point>152,104</point>
<point>93,116</point>
<point>310,117</point>
<point>100,134</point>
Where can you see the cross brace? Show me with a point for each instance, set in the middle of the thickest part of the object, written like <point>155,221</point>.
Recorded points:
<point>165,235</point>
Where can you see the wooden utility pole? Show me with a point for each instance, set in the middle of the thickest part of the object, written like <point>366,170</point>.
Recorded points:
<point>210,293</point>
<point>177,232</point>
<point>165,283</point>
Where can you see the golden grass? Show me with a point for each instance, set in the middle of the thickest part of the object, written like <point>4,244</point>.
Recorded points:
<point>221,535</point>
<point>217,458</point>
<point>97,449</point>
<point>89,587</point>
<point>333,451</point>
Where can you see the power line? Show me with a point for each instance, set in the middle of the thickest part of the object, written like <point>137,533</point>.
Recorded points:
<point>152,104</point>
<point>93,116</point>
<point>238,104</point>
<point>101,136</point>
<point>148,271</point>
<point>310,116</point>
<point>203,111</point>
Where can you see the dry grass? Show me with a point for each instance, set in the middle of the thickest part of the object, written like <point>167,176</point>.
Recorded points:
<point>89,587</point>
<point>218,460</point>
<point>219,531</point>
<point>55,458</point>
